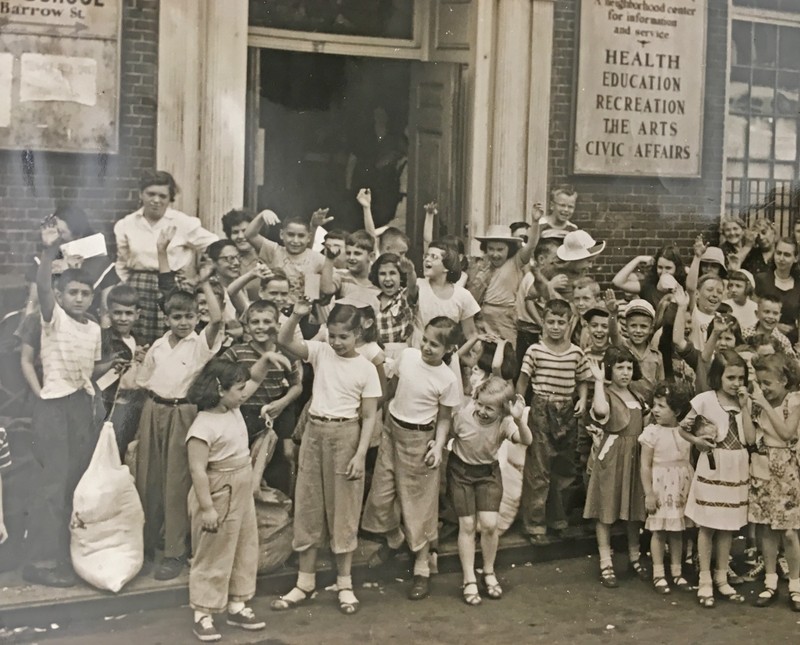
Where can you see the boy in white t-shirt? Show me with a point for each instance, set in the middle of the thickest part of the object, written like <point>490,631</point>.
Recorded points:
<point>403,502</point>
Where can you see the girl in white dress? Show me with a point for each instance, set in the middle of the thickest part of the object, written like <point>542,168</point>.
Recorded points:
<point>719,424</point>
<point>666,476</point>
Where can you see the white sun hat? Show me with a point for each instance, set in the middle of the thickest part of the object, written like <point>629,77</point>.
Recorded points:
<point>579,245</point>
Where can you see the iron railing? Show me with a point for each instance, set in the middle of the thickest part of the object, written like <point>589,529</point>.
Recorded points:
<point>775,200</point>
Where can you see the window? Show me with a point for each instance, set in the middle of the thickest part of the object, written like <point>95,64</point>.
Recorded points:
<point>762,128</point>
<point>371,18</point>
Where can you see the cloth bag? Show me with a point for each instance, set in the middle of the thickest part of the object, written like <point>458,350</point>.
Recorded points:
<point>107,544</point>
<point>273,508</point>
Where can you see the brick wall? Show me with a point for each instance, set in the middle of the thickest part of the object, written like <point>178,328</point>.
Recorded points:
<point>33,182</point>
<point>640,215</point>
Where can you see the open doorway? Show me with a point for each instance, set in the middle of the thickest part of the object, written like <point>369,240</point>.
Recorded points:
<point>332,125</point>
<point>323,126</point>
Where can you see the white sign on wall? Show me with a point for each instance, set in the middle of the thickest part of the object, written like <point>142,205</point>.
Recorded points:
<point>641,71</point>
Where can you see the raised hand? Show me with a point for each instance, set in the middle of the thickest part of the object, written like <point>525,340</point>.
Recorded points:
<point>598,374</point>
<point>165,236</point>
<point>270,217</point>
<point>50,236</point>
<point>431,208</point>
<point>610,300</point>
<point>302,308</point>
<point>537,211</point>
<point>517,407</point>
<point>681,297</point>
<point>205,271</point>
<point>700,246</point>
<point>406,266</point>
<point>320,217</point>
<point>364,198</point>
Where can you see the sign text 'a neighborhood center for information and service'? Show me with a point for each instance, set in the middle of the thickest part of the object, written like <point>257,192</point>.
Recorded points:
<point>640,87</point>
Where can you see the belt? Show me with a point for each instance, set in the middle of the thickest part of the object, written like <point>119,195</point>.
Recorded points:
<point>422,427</point>
<point>314,417</point>
<point>163,401</point>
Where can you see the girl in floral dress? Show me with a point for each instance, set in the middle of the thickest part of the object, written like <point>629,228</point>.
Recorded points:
<point>774,494</point>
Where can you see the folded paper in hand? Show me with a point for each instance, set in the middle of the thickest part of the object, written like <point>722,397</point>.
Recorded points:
<point>86,247</point>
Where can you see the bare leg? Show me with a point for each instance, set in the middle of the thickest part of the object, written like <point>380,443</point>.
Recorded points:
<point>675,539</point>
<point>466,547</point>
<point>490,538</point>
<point>657,542</point>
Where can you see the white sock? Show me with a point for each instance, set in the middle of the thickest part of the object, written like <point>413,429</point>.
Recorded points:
<point>199,614</point>
<point>235,606</point>
<point>344,582</point>
<point>675,570</point>
<point>771,580</point>
<point>658,571</point>
<point>306,581</point>
<point>794,585</point>
<point>422,568</point>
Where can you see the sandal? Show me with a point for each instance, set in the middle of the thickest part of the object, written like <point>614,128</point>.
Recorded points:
<point>493,590</point>
<point>661,586</point>
<point>767,596</point>
<point>639,571</point>
<point>283,603</point>
<point>347,608</point>
<point>471,598</point>
<point>705,596</point>
<point>681,584</point>
<point>729,593</point>
<point>608,578</point>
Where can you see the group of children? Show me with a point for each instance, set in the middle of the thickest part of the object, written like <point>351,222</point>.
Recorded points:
<point>673,412</point>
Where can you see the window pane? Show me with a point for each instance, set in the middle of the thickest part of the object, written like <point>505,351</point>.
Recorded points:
<point>735,169</point>
<point>763,92</point>
<point>735,138</point>
<point>784,171</point>
<point>741,33</point>
<point>765,44</point>
<point>760,138</point>
<point>378,18</point>
<point>789,48</point>
<point>786,139</point>
<point>787,100</point>
<point>758,171</point>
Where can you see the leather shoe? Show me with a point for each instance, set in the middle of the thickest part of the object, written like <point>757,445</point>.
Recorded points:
<point>766,600</point>
<point>61,576</point>
<point>382,556</point>
<point>169,568</point>
<point>420,588</point>
<point>794,601</point>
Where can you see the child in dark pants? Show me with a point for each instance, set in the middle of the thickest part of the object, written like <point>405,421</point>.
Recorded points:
<point>557,371</point>
<point>64,424</point>
<point>474,484</point>
<point>118,344</point>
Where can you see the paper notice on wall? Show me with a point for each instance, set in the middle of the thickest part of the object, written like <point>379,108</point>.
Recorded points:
<point>58,78</point>
<point>6,70</point>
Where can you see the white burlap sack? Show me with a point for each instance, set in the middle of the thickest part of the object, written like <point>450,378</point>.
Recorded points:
<point>107,524</point>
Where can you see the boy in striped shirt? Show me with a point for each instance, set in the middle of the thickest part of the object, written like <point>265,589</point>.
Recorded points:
<point>558,373</point>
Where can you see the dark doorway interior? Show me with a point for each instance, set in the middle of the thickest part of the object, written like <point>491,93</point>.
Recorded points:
<point>332,125</point>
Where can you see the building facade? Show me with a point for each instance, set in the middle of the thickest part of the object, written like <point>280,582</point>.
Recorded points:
<point>481,105</point>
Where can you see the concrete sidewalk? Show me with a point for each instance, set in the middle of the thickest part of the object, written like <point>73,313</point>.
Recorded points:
<point>25,604</point>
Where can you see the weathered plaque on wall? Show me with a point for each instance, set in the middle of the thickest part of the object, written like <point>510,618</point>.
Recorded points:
<point>639,105</point>
<point>59,74</point>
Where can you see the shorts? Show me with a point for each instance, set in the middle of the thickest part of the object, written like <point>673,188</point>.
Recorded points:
<point>473,488</point>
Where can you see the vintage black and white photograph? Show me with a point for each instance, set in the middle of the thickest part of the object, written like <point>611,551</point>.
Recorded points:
<point>399,321</point>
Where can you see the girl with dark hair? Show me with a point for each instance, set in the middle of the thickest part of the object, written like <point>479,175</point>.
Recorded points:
<point>221,504</point>
<point>615,490</point>
<point>330,480</point>
<point>650,286</point>
<point>719,424</point>
<point>439,295</point>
